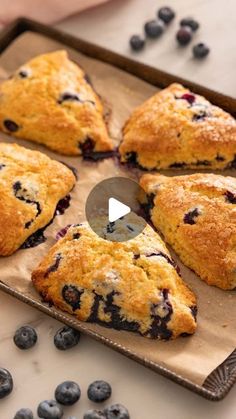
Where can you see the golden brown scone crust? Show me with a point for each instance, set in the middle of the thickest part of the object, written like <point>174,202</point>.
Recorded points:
<point>31,185</point>
<point>179,129</point>
<point>197,216</point>
<point>36,102</point>
<point>132,285</point>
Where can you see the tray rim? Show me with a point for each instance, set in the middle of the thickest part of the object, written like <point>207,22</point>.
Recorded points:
<point>160,79</point>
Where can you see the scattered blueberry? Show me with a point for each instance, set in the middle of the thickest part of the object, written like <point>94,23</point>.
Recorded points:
<point>49,409</point>
<point>25,337</point>
<point>154,28</point>
<point>200,50</point>
<point>24,414</point>
<point>67,393</point>
<point>116,411</point>
<point>184,35</point>
<point>189,21</point>
<point>166,14</point>
<point>10,125</point>
<point>137,42</point>
<point>6,383</point>
<point>94,414</point>
<point>66,337</point>
<point>99,391</point>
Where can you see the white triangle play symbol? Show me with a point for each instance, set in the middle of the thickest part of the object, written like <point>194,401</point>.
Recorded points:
<point>116,209</point>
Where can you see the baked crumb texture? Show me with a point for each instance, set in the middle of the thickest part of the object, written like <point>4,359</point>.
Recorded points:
<point>31,184</point>
<point>50,101</point>
<point>177,129</point>
<point>133,285</point>
<point>197,216</point>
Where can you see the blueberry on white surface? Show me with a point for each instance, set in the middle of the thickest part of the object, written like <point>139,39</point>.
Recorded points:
<point>116,411</point>
<point>67,393</point>
<point>6,383</point>
<point>137,42</point>
<point>94,414</point>
<point>154,28</point>
<point>201,50</point>
<point>25,337</point>
<point>99,391</point>
<point>49,409</point>
<point>24,414</point>
<point>66,338</point>
<point>189,21</point>
<point>184,35</point>
<point>166,14</point>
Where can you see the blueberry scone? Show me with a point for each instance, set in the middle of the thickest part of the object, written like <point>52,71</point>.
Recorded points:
<point>31,185</point>
<point>49,101</point>
<point>176,128</point>
<point>197,216</point>
<point>133,285</point>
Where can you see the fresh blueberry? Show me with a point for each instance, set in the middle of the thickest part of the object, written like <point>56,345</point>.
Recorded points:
<point>200,50</point>
<point>154,28</point>
<point>99,391</point>
<point>6,383</point>
<point>94,414</point>
<point>189,21</point>
<point>66,337</point>
<point>116,411</point>
<point>24,414</point>
<point>10,125</point>
<point>137,42</point>
<point>184,35</point>
<point>25,337</point>
<point>166,14</point>
<point>49,409</point>
<point>67,393</point>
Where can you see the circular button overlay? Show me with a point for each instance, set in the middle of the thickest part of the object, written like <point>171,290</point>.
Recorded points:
<point>112,209</point>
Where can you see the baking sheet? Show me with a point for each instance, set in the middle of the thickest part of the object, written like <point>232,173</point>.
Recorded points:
<point>194,357</point>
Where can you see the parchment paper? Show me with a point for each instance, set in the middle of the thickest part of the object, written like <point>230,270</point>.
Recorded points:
<point>193,357</point>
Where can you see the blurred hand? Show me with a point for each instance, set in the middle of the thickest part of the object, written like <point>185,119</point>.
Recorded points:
<point>46,11</point>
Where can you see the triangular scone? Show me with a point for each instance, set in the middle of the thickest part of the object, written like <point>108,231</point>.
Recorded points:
<point>176,128</point>
<point>197,216</point>
<point>133,285</point>
<point>49,101</point>
<point>31,185</point>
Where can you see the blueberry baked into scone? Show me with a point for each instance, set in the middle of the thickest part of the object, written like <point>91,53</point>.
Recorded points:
<point>50,101</point>
<point>133,285</point>
<point>31,185</point>
<point>175,129</point>
<point>197,216</point>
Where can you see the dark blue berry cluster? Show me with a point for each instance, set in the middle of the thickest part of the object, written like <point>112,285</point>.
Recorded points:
<point>68,392</point>
<point>154,29</point>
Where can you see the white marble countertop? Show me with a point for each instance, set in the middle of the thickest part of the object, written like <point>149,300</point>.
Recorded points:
<point>37,372</point>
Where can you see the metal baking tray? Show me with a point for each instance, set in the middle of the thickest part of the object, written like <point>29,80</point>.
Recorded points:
<point>221,380</point>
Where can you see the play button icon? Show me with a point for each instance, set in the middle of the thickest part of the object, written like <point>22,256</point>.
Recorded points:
<point>111,209</point>
<point>116,210</point>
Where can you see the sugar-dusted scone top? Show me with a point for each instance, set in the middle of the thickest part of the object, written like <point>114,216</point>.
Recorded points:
<point>49,101</point>
<point>31,185</point>
<point>197,216</point>
<point>132,285</point>
<point>176,128</point>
